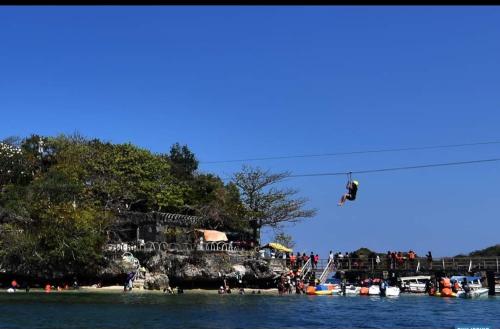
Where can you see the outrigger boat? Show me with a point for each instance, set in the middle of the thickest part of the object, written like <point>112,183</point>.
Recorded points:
<point>392,291</point>
<point>475,285</point>
<point>374,289</point>
<point>414,284</point>
<point>389,291</point>
<point>474,282</point>
<point>352,290</point>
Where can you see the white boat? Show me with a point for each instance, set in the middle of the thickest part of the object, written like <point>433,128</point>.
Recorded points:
<point>352,290</point>
<point>475,285</point>
<point>392,291</point>
<point>374,290</point>
<point>473,293</point>
<point>389,291</point>
<point>414,284</point>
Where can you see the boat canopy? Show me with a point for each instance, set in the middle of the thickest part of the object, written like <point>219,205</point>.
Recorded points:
<point>460,278</point>
<point>278,247</point>
<point>418,277</point>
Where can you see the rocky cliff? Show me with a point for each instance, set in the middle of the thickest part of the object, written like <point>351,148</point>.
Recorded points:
<point>199,270</point>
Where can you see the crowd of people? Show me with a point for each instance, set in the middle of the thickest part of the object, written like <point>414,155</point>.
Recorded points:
<point>291,282</point>
<point>398,259</point>
<point>393,259</point>
<point>14,286</point>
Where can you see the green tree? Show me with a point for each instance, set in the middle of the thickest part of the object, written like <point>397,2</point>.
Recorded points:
<point>15,167</point>
<point>123,176</point>
<point>184,162</point>
<point>60,240</point>
<point>68,188</point>
<point>219,203</point>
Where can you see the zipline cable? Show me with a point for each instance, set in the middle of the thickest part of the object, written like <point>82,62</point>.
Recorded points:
<point>417,148</point>
<point>397,168</point>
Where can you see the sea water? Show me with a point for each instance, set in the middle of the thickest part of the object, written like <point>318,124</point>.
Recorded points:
<point>146,310</point>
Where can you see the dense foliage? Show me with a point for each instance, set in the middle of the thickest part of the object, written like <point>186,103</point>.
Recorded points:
<point>493,251</point>
<point>70,188</point>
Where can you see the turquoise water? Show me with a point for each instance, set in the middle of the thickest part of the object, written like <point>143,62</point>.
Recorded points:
<point>122,310</point>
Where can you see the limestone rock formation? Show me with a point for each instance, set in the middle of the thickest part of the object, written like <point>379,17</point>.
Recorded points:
<point>156,281</point>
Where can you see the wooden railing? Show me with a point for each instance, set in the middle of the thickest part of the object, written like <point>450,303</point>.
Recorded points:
<point>324,266</point>
<point>466,264</point>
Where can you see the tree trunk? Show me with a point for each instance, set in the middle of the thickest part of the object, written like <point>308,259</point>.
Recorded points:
<point>256,231</point>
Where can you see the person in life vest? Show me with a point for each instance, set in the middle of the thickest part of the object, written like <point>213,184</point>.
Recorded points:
<point>466,286</point>
<point>352,188</point>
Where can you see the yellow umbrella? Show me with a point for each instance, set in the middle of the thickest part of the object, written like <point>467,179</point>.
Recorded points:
<point>278,247</point>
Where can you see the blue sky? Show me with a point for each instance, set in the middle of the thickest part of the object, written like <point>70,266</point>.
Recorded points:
<point>239,82</point>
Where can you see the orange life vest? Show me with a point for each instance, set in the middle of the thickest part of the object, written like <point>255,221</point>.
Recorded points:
<point>310,290</point>
<point>364,291</point>
<point>446,292</point>
<point>445,282</point>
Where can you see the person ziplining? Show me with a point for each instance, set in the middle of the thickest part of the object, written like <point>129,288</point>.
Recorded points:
<point>352,190</point>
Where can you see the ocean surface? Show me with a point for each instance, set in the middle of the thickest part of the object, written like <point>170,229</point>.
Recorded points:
<point>146,310</point>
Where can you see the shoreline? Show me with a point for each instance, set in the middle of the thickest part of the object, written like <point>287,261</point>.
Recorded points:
<point>119,289</point>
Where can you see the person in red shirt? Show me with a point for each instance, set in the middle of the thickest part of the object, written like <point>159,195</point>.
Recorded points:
<point>292,260</point>
<point>316,260</point>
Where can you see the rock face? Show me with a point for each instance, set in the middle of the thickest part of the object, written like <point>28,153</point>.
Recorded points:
<point>208,270</point>
<point>204,270</point>
<point>156,281</point>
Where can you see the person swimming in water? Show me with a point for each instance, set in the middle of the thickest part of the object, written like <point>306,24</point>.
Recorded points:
<point>352,188</point>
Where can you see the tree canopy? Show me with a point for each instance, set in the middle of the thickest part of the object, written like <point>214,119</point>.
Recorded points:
<point>71,189</point>
<point>265,204</point>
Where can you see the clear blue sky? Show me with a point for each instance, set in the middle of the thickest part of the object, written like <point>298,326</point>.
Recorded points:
<point>236,82</point>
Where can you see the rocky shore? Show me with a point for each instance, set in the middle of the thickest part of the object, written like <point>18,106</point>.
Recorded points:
<point>206,270</point>
<point>196,270</point>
